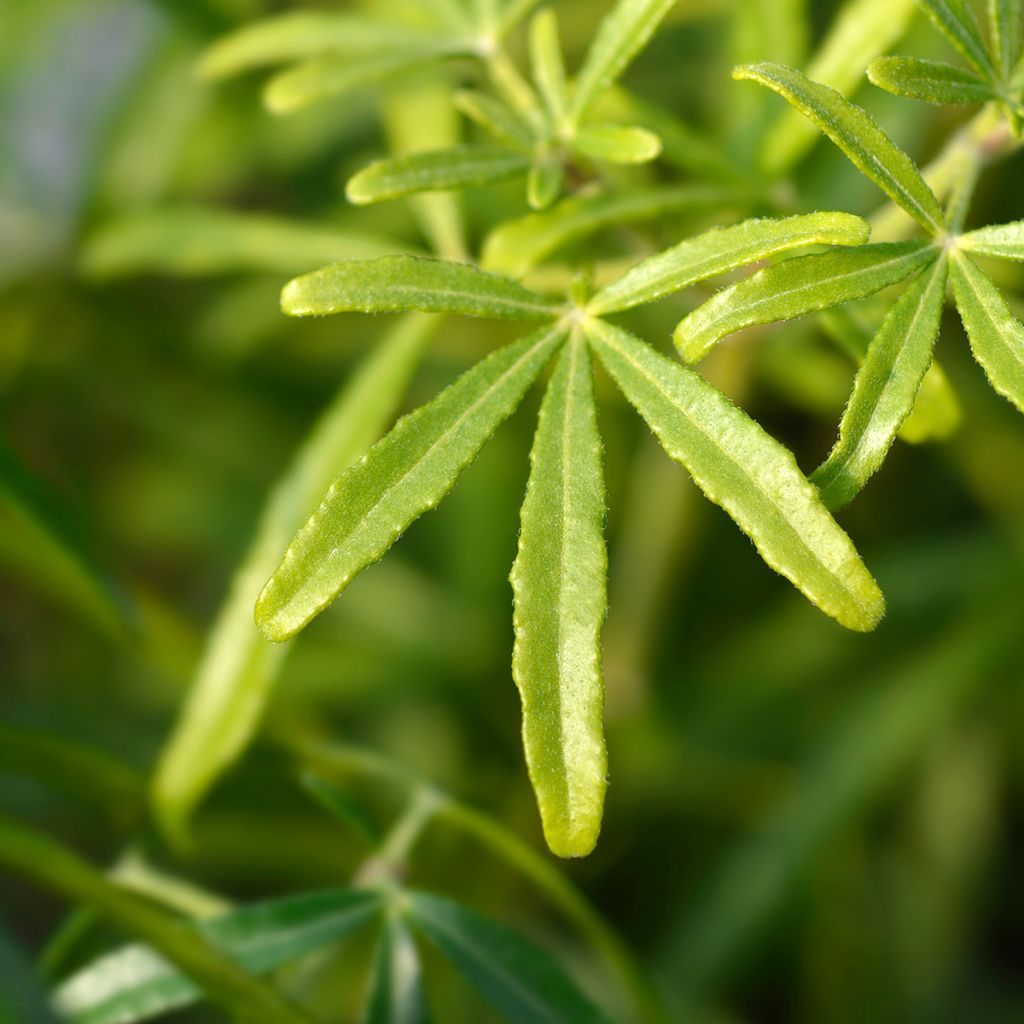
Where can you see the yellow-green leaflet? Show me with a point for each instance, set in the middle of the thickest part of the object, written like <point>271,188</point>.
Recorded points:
<point>996,336</point>
<point>560,588</point>
<point>722,249</point>
<point>853,130</point>
<point>238,667</point>
<point>1005,20</point>
<point>798,286</point>
<point>746,471</point>
<point>193,240</point>
<point>544,181</point>
<point>957,22</point>
<point>930,80</point>
<point>435,170</point>
<point>620,37</point>
<point>886,388</point>
<point>616,144</point>
<point>494,116</point>
<point>402,476</point>
<point>393,284</point>
<point>546,63</point>
<point>1005,241</point>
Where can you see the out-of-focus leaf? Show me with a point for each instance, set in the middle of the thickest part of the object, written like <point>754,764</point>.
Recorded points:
<point>886,388</point>
<point>302,34</point>
<point>854,131</point>
<point>929,80</point>
<point>408,472</point>
<point>956,21</point>
<point>546,63</point>
<point>238,666</point>
<point>1005,241</point>
<point>544,181</point>
<point>494,116</point>
<point>1004,17</point>
<point>863,29</point>
<point>135,983</point>
<point>396,985</point>
<point>995,334</point>
<point>622,34</point>
<point>517,245</point>
<point>721,250</point>
<point>193,241</point>
<point>22,999</point>
<point>559,587</point>
<point>616,144</point>
<point>223,981</point>
<point>435,170</point>
<point>340,806</point>
<point>753,477</point>
<point>521,981</point>
<point>797,286</point>
<point>395,283</point>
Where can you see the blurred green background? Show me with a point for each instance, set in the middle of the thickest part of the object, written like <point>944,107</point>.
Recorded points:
<point>803,824</point>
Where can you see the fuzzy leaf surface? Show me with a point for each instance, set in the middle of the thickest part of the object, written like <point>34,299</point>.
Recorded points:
<point>1004,18</point>
<point>956,21</point>
<point>559,582</point>
<point>854,131</point>
<point>402,476</point>
<point>797,286</point>
<point>995,334</point>
<point>748,473</point>
<point>1005,241</point>
<point>886,388</point>
<point>723,249</point>
<point>435,170</point>
<point>929,80</point>
<point>392,284</point>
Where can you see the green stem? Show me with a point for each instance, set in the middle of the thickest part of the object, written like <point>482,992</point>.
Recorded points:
<point>40,859</point>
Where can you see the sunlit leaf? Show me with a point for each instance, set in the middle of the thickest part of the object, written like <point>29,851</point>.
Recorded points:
<point>544,182</point>
<point>395,283</point>
<point>1004,18</point>
<point>723,249</point>
<point>929,80</point>
<point>1005,241</point>
<point>517,245</point>
<point>196,241</point>
<point>238,667</point>
<point>956,20</point>
<point>546,63</point>
<point>616,144</point>
<point>521,981</point>
<point>621,35</point>
<point>495,117</point>
<point>559,587</point>
<point>886,388</point>
<point>396,985</point>
<point>854,131</point>
<point>995,334</point>
<point>797,286</point>
<point>135,983</point>
<point>408,472</point>
<point>432,170</point>
<point>753,477</point>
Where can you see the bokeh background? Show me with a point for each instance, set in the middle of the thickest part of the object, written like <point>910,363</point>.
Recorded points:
<point>803,824</point>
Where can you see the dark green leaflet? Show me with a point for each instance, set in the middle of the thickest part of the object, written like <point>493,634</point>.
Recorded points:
<point>396,985</point>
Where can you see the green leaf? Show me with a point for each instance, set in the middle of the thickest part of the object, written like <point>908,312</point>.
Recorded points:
<point>622,34</point>
<point>545,181</point>
<point>37,857</point>
<point>495,117</point>
<point>852,129</point>
<point>1005,241</point>
<point>616,144</point>
<point>956,21</point>
<point>134,983</point>
<point>395,283</point>
<point>342,807</point>
<point>722,249</point>
<point>396,986</point>
<point>22,999</point>
<point>748,473</point>
<point>560,590</point>
<point>546,63</point>
<point>196,241</point>
<point>797,286</point>
<point>886,388</point>
<point>236,673</point>
<point>518,979</point>
<point>332,77</point>
<point>862,30</point>
<point>303,34</point>
<point>929,80</point>
<point>434,170</point>
<point>1004,18</point>
<point>408,472</point>
<point>517,245</point>
<point>996,336</point>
